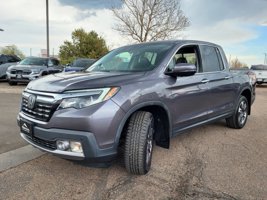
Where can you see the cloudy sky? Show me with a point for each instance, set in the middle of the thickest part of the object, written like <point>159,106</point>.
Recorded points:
<point>240,26</point>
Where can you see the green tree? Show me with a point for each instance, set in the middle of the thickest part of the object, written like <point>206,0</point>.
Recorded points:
<point>12,50</point>
<point>83,45</point>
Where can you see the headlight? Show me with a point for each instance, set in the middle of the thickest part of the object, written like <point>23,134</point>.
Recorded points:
<point>36,71</point>
<point>85,98</point>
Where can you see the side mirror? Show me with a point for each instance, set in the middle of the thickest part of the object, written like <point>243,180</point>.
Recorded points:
<point>182,69</point>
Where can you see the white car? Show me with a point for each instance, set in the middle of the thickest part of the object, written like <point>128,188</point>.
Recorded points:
<point>261,73</point>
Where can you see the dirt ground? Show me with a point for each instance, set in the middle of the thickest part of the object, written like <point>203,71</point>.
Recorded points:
<point>210,162</point>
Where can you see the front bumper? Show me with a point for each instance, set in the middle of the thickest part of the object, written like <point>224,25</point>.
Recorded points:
<point>45,140</point>
<point>261,80</point>
<point>95,127</point>
<point>22,77</point>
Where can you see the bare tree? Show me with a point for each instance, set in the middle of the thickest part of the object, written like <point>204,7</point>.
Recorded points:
<point>236,64</point>
<point>150,20</point>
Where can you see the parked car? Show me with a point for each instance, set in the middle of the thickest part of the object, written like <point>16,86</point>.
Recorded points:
<point>5,62</point>
<point>31,68</point>
<point>8,58</point>
<point>79,64</point>
<point>133,98</point>
<point>261,73</point>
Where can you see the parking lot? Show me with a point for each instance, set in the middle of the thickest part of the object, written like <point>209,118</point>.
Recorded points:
<point>209,162</point>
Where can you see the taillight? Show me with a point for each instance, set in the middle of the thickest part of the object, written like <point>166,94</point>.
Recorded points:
<point>252,76</point>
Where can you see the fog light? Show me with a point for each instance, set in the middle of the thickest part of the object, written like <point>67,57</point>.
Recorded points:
<point>63,145</point>
<point>76,147</point>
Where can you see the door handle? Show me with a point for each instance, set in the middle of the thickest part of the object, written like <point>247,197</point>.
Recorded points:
<point>205,81</point>
<point>227,77</point>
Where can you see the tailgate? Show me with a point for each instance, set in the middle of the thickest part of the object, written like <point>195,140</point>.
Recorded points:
<point>261,74</point>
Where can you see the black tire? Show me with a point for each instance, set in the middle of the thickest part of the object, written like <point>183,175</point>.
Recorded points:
<point>239,119</point>
<point>139,143</point>
<point>44,74</point>
<point>259,83</point>
<point>12,83</point>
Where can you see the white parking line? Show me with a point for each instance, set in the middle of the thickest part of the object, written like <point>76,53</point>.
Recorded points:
<point>18,156</point>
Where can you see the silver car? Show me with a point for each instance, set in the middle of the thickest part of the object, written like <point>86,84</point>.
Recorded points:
<point>32,68</point>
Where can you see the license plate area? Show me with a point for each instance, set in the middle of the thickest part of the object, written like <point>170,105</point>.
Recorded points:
<point>19,76</point>
<point>26,127</point>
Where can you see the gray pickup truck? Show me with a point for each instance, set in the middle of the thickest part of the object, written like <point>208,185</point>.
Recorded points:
<point>133,98</point>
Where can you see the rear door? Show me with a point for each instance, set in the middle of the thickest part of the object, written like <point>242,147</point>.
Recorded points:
<point>222,89</point>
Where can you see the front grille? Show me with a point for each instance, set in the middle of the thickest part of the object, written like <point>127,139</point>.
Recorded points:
<point>41,111</point>
<point>43,143</point>
<point>21,72</point>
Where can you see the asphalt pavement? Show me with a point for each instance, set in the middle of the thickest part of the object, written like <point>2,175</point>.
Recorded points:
<point>209,162</point>
<point>9,108</point>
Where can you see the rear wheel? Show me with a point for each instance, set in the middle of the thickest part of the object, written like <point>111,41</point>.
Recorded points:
<point>239,119</point>
<point>139,143</point>
<point>12,83</point>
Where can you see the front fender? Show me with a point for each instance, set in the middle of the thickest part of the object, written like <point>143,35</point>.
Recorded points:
<point>138,107</point>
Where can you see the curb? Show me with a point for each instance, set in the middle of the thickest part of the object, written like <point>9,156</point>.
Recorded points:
<point>18,156</point>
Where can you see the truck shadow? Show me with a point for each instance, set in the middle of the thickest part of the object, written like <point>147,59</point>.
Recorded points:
<point>262,86</point>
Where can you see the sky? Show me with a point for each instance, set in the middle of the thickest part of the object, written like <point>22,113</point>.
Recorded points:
<point>239,26</point>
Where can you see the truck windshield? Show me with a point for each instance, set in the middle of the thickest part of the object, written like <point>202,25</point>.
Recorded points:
<point>34,61</point>
<point>134,58</point>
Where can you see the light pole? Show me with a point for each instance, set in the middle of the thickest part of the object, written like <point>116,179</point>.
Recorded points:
<point>47,28</point>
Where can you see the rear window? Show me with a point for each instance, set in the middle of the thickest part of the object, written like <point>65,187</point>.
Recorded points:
<point>259,67</point>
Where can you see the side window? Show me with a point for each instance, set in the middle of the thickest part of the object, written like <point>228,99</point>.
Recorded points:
<point>11,59</point>
<point>187,54</point>
<point>210,59</point>
<point>3,59</point>
<point>50,63</point>
<point>55,62</point>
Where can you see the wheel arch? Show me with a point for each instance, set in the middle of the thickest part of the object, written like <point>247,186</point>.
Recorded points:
<point>161,115</point>
<point>246,92</point>
<point>44,73</point>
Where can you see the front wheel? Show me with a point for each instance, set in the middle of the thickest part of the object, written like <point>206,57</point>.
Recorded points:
<point>139,143</point>
<point>239,118</point>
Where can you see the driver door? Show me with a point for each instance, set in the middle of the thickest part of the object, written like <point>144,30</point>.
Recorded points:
<point>189,99</point>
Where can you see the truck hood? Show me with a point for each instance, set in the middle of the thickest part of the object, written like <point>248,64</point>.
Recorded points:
<point>61,82</point>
